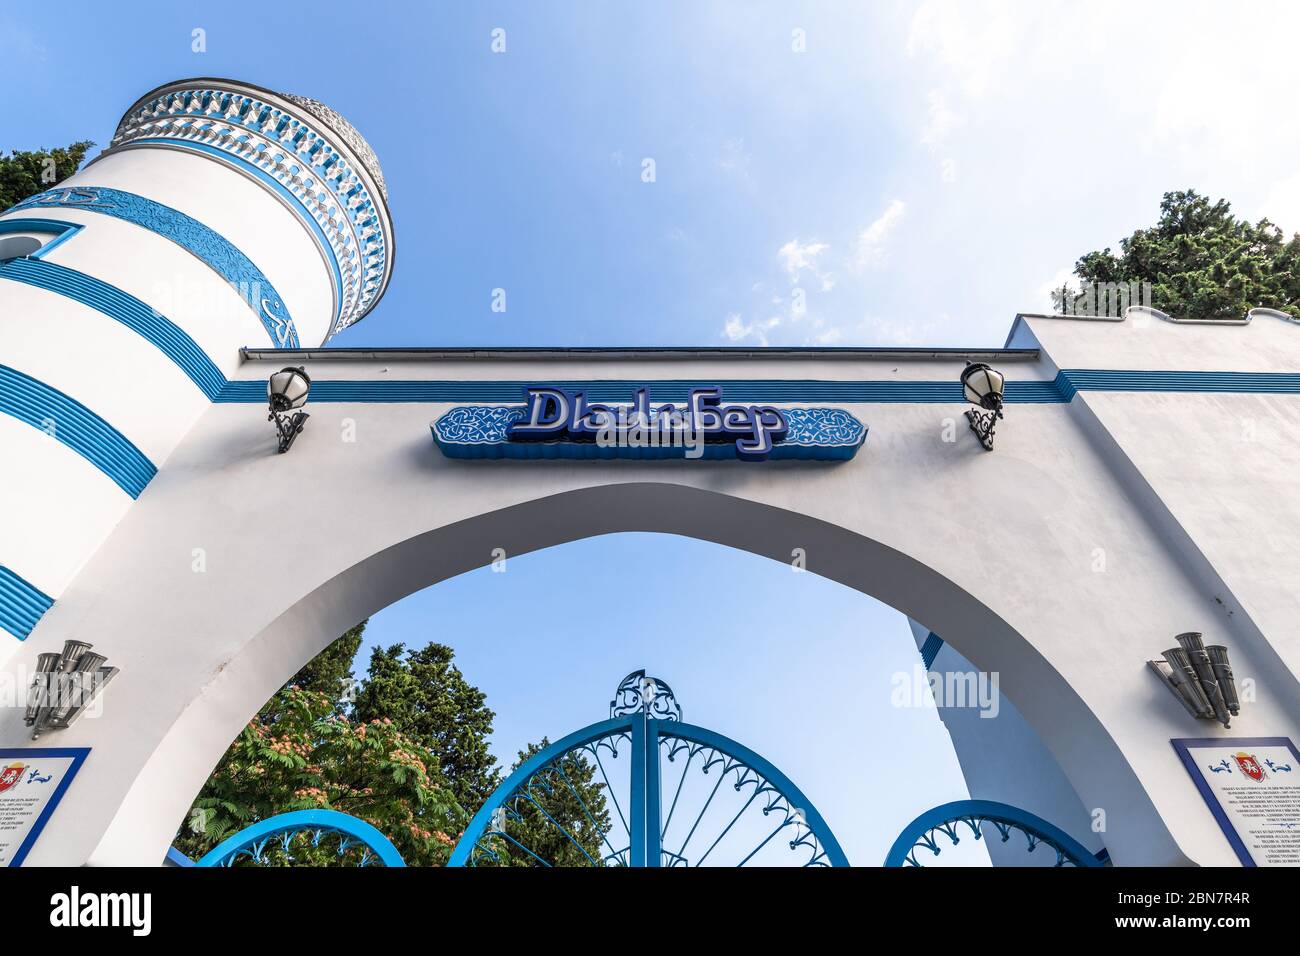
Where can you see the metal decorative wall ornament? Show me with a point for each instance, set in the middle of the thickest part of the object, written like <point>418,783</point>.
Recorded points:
<point>678,795</point>
<point>945,821</point>
<point>64,686</point>
<point>1200,677</point>
<point>278,833</point>
<point>558,423</point>
<point>982,386</point>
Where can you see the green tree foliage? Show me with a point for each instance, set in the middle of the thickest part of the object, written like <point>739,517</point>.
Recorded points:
<point>572,799</point>
<point>1203,262</point>
<point>330,671</point>
<point>429,700</point>
<point>26,173</point>
<point>404,749</point>
<point>305,751</point>
<point>300,754</point>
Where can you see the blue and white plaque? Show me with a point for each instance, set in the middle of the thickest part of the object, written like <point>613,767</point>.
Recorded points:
<point>559,423</point>
<point>1252,786</point>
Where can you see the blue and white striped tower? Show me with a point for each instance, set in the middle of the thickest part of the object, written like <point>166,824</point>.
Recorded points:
<point>221,215</point>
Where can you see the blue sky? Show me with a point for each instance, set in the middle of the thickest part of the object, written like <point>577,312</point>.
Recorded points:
<point>797,667</point>
<point>919,172</point>
<point>922,171</point>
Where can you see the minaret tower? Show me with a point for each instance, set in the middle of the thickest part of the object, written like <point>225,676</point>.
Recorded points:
<point>221,215</point>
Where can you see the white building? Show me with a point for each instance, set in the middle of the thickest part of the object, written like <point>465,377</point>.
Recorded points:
<point>1141,486</point>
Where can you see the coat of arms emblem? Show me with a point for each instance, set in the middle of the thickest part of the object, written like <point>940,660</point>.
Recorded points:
<point>10,775</point>
<point>1250,766</point>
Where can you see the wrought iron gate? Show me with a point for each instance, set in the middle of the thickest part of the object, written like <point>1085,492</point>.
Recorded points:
<point>672,787</point>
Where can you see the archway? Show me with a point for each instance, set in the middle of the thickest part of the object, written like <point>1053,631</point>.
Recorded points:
<point>353,835</point>
<point>157,798</point>
<point>979,817</point>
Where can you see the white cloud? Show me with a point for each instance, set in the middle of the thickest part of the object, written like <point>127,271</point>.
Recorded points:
<point>974,43</point>
<point>903,331</point>
<point>797,256</point>
<point>736,329</point>
<point>940,119</point>
<point>870,246</point>
<point>734,161</point>
<point>1021,136</point>
<point>1282,204</point>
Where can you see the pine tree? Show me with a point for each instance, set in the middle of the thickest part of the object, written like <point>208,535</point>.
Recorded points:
<point>428,699</point>
<point>409,754</point>
<point>308,757</point>
<point>568,823</point>
<point>1203,262</point>
<point>28,172</point>
<point>330,671</point>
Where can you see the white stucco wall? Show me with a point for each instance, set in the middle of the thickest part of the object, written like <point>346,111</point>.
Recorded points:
<point>994,551</point>
<point>258,223</point>
<point>1002,759</point>
<point>59,507</point>
<point>236,564</point>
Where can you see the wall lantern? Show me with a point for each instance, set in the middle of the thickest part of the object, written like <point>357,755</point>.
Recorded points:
<point>982,387</point>
<point>64,685</point>
<point>1200,677</point>
<point>286,392</point>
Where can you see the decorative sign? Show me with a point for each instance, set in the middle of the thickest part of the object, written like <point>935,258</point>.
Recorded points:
<point>1252,786</point>
<point>32,781</point>
<point>558,423</point>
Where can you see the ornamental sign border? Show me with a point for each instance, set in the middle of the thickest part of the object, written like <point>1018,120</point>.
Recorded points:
<point>559,423</point>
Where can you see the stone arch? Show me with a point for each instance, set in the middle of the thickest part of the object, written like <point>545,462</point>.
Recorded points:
<point>158,797</point>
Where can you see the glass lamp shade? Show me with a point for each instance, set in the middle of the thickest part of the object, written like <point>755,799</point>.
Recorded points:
<point>287,389</point>
<point>982,385</point>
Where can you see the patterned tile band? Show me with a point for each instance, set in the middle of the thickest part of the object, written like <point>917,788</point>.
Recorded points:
<point>294,144</point>
<point>479,431</point>
<point>213,249</point>
<point>21,604</point>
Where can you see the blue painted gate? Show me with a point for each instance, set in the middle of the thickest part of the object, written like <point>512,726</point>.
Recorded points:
<point>672,786</point>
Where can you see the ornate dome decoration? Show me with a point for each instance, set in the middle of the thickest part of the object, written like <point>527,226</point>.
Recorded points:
<point>303,152</point>
<point>336,121</point>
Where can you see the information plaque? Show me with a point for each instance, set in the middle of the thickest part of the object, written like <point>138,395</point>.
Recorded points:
<point>32,781</point>
<point>1252,786</point>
